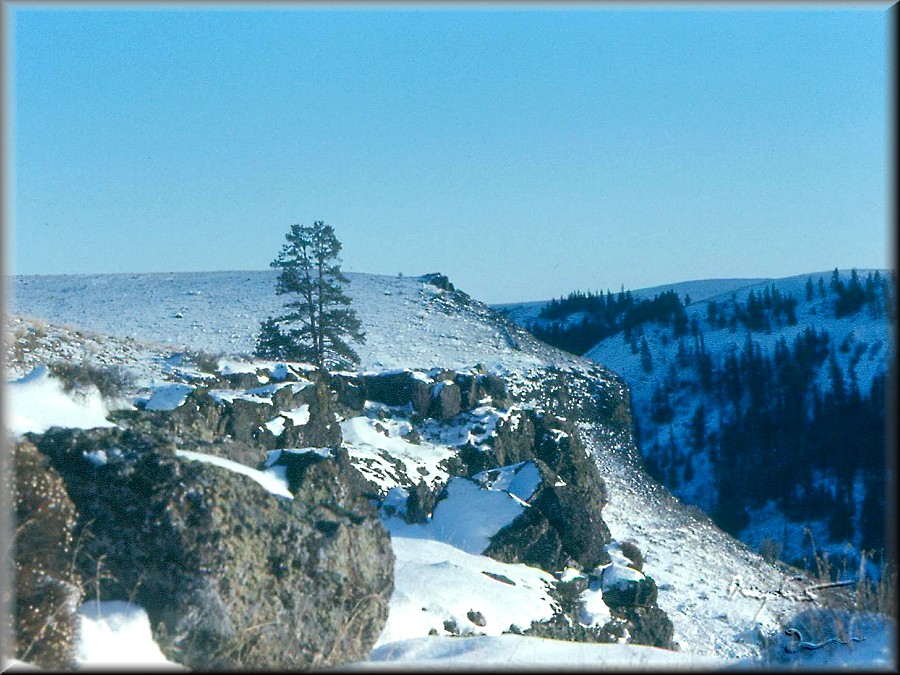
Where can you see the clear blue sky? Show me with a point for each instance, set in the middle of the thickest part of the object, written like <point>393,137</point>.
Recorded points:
<point>524,152</point>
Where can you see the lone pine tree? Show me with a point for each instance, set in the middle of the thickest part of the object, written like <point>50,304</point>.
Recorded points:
<point>318,323</point>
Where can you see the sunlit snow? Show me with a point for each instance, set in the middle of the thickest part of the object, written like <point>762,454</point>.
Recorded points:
<point>117,633</point>
<point>168,397</point>
<point>270,480</point>
<point>435,582</point>
<point>37,402</point>
<point>466,519</point>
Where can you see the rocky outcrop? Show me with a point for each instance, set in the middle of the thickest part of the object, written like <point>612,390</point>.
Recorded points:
<point>530,539</point>
<point>421,502</point>
<point>565,524</point>
<point>446,400</point>
<point>438,280</point>
<point>230,575</point>
<point>43,614</point>
<point>648,626</point>
<point>242,425</point>
<point>441,394</point>
<point>593,395</point>
<point>574,503</point>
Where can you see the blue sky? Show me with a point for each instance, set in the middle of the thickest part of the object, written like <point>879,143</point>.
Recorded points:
<point>523,151</point>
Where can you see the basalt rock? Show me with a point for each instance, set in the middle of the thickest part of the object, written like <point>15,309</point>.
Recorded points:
<point>349,394</point>
<point>445,400</point>
<point>648,625</point>
<point>529,539</point>
<point>438,280</point>
<point>399,389</point>
<point>230,575</point>
<point>48,591</point>
<point>569,500</point>
<point>574,502</point>
<point>641,593</point>
<point>242,426</point>
<point>443,396</point>
<point>305,419</point>
<point>421,502</point>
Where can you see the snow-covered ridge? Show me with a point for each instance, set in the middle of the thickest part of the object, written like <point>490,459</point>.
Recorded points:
<point>408,321</point>
<point>698,290</point>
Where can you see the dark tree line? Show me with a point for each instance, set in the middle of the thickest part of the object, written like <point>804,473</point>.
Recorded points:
<point>853,295</point>
<point>762,311</point>
<point>605,315</point>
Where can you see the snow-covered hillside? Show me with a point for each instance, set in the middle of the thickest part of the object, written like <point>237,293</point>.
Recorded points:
<point>408,324</point>
<point>862,328</point>
<point>726,603</point>
<point>681,411</point>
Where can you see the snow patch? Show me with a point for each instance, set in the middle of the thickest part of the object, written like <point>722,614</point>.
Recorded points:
<point>435,582</point>
<point>168,397</point>
<point>116,633</point>
<point>37,402</point>
<point>269,480</point>
<point>520,480</point>
<point>299,416</point>
<point>466,518</point>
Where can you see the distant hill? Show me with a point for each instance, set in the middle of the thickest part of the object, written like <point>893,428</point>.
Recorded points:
<point>524,312</point>
<point>759,400</point>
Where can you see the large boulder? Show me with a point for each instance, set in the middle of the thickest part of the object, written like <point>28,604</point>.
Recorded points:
<point>477,387</point>
<point>441,395</point>
<point>421,502</point>
<point>438,280</point>
<point>230,575</point>
<point>400,389</point>
<point>648,625</point>
<point>349,393</point>
<point>305,417</point>
<point>529,539</point>
<point>48,591</point>
<point>393,389</point>
<point>556,531</point>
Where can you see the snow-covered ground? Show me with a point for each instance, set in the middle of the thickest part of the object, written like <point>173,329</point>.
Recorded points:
<point>719,595</point>
<point>220,312</point>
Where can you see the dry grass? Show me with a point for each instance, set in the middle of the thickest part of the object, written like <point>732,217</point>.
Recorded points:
<point>110,381</point>
<point>837,586</point>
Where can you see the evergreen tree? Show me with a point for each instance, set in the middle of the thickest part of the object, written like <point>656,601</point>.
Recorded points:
<point>698,429</point>
<point>836,284</point>
<point>646,358</point>
<point>319,321</point>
